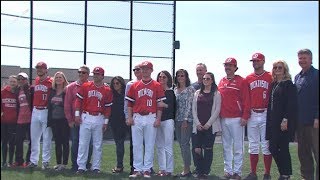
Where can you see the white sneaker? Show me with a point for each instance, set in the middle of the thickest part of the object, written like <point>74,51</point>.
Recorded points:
<point>56,166</point>
<point>135,174</point>
<point>60,167</point>
<point>45,165</point>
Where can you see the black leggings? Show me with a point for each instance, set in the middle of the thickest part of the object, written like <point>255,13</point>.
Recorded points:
<point>61,134</point>
<point>8,132</point>
<point>22,131</point>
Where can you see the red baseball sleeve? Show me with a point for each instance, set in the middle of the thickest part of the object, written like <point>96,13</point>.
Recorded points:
<point>109,99</point>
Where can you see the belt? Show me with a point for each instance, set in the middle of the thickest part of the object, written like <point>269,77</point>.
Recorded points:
<point>258,110</point>
<point>40,108</point>
<point>144,113</point>
<point>92,113</point>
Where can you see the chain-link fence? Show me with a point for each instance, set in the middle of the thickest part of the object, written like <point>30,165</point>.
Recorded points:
<point>113,34</point>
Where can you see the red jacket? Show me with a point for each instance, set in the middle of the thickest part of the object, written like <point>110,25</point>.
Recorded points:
<point>235,99</point>
<point>8,106</point>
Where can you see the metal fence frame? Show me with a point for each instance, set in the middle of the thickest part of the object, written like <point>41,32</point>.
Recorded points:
<point>175,45</point>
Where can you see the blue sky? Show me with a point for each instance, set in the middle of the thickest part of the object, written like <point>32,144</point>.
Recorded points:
<point>209,32</point>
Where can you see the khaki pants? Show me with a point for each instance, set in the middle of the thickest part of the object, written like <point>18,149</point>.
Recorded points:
<point>308,151</point>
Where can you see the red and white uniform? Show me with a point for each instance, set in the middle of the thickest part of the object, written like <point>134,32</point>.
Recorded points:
<point>259,86</point>
<point>143,98</point>
<point>235,104</point>
<point>235,98</point>
<point>95,104</point>
<point>8,106</point>
<point>259,90</point>
<point>93,99</point>
<point>41,92</point>
<point>39,120</point>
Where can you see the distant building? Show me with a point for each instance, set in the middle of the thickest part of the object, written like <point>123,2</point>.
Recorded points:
<point>71,74</point>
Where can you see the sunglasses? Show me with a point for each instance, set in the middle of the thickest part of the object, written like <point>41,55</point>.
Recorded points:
<point>82,72</point>
<point>136,69</point>
<point>206,79</point>
<point>180,75</point>
<point>277,67</point>
<point>116,83</point>
<point>20,79</point>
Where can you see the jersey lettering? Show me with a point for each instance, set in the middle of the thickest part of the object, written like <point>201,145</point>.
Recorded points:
<point>145,92</point>
<point>9,100</point>
<point>95,93</point>
<point>41,87</point>
<point>259,83</point>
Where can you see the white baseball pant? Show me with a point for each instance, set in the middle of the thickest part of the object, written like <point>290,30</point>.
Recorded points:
<point>257,133</point>
<point>232,142</point>
<point>164,143</point>
<point>39,127</point>
<point>91,126</point>
<point>143,130</point>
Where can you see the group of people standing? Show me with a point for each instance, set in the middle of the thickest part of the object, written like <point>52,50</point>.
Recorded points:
<point>275,109</point>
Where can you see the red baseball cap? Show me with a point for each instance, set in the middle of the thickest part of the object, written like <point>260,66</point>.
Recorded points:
<point>257,57</point>
<point>42,65</point>
<point>98,70</point>
<point>146,64</point>
<point>231,60</point>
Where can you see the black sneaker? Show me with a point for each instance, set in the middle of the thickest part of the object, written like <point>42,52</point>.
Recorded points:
<point>182,176</point>
<point>226,176</point>
<point>32,165</point>
<point>152,171</point>
<point>251,176</point>
<point>4,165</point>
<point>203,176</point>
<point>80,171</point>
<point>266,177</point>
<point>195,173</point>
<point>96,171</point>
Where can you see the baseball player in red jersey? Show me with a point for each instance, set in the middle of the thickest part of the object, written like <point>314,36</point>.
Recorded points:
<point>259,89</point>
<point>69,109</point>
<point>39,118</point>
<point>144,115</point>
<point>94,100</point>
<point>8,120</point>
<point>235,111</point>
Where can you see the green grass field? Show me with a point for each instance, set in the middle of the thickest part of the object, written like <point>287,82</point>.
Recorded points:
<point>109,161</point>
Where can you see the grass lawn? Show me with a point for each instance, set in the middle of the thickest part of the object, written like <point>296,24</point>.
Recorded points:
<point>109,161</point>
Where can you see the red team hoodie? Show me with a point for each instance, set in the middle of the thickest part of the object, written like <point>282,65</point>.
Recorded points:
<point>235,98</point>
<point>8,106</point>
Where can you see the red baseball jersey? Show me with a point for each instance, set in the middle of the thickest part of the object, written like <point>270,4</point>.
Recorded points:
<point>143,97</point>
<point>41,92</point>
<point>235,100</point>
<point>94,99</point>
<point>259,89</point>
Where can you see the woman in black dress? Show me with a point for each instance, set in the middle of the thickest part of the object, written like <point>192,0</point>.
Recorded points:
<point>117,120</point>
<point>281,118</point>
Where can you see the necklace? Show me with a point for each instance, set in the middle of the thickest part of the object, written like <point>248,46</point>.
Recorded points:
<point>272,94</point>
